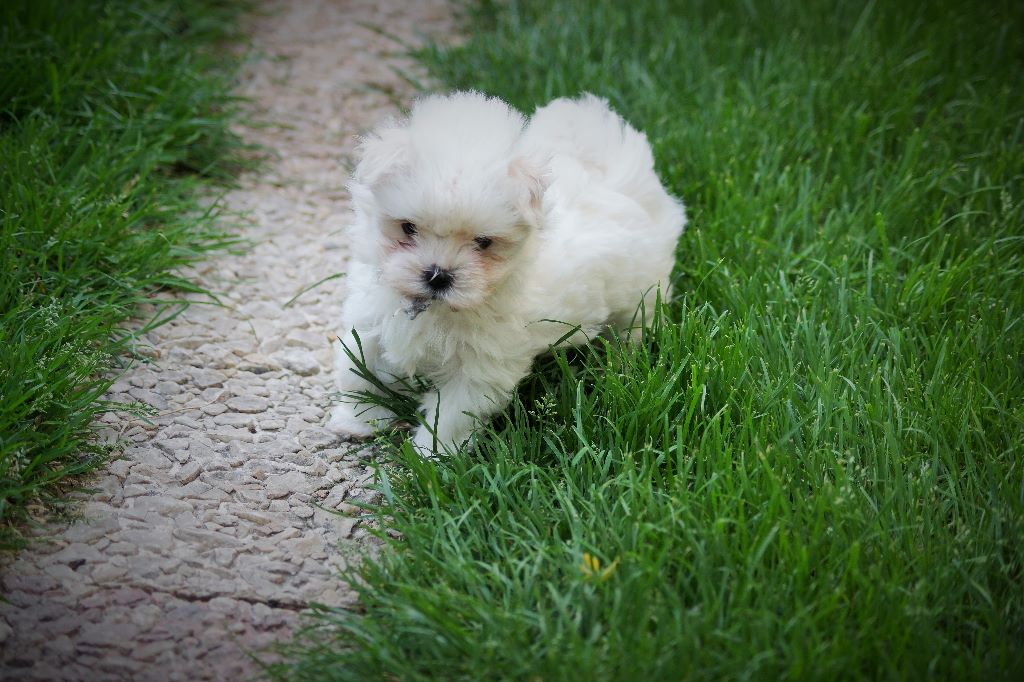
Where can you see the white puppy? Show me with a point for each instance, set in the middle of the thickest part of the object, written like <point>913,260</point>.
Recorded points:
<point>479,241</point>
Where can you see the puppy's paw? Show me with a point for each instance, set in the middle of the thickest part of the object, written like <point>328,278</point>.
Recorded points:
<point>345,420</point>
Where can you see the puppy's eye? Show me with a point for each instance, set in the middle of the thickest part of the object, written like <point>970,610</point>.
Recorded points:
<point>408,228</point>
<point>483,242</point>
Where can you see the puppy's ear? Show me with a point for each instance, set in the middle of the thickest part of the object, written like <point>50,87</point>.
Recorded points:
<point>531,177</point>
<point>382,153</point>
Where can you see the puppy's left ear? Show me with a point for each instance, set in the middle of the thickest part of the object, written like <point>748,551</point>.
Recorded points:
<point>532,178</point>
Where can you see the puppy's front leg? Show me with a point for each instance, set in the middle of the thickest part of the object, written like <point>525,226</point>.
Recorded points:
<point>454,408</point>
<point>349,417</point>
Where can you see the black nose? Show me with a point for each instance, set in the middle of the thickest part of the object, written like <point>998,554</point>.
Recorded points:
<point>438,279</point>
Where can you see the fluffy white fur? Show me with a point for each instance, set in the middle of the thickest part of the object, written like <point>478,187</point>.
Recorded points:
<point>541,226</point>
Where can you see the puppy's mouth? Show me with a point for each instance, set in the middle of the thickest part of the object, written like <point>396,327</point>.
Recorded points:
<point>417,305</point>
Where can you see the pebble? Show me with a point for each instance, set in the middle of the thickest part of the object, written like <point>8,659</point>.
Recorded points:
<point>207,378</point>
<point>189,472</point>
<point>214,409</point>
<point>257,364</point>
<point>168,388</point>
<point>300,362</point>
<point>151,398</point>
<point>286,484</point>
<point>248,404</point>
<point>317,439</point>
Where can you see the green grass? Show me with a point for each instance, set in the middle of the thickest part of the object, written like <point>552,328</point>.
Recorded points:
<point>812,465</point>
<point>113,115</point>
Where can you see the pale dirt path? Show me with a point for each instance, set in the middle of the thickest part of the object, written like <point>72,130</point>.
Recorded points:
<point>204,540</point>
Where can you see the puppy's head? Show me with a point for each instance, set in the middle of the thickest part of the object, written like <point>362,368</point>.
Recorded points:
<point>449,204</point>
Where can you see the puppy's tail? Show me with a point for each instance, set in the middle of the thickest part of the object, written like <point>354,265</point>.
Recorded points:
<point>586,135</point>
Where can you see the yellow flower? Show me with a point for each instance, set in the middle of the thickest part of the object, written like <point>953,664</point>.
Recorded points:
<point>591,567</point>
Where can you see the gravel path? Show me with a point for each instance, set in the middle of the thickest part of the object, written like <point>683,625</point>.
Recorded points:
<point>205,539</point>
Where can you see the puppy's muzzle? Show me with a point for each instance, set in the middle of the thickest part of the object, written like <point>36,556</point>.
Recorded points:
<point>438,279</point>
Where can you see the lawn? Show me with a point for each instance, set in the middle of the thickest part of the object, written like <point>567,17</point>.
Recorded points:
<point>812,465</point>
<point>113,115</point>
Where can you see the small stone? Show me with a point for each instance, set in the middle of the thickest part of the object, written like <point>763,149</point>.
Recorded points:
<point>286,484</point>
<point>224,605</point>
<point>168,388</point>
<point>202,451</point>
<point>143,378</point>
<point>128,595</point>
<point>154,539</point>
<point>91,530</point>
<point>346,525</point>
<point>319,469</point>
<point>259,518</point>
<point>226,435</point>
<point>296,424</point>
<point>214,495</point>
<point>307,546</point>
<point>286,534</point>
<point>305,339</point>
<point>261,611</point>
<point>175,447</point>
<point>302,511</point>
<point>151,398</point>
<point>120,467</point>
<point>300,362</point>
<point>135,490</point>
<point>119,386</point>
<point>224,556</point>
<point>204,540</point>
<point>123,548</point>
<point>348,508</point>
<point>145,615</point>
<point>189,472</point>
<point>248,404</point>
<point>213,395</point>
<point>142,507</point>
<point>106,436</point>
<point>279,567</point>
<point>233,419</point>
<point>153,457</point>
<point>177,376</point>
<point>207,378</point>
<point>336,496</point>
<point>216,465</point>
<point>29,584</point>
<point>317,439</point>
<point>106,635</point>
<point>104,573</point>
<point>150,651</point>
<point>213,409</point>
<point>173,430</point>
<point>257,364</point>
<point>245,387</point>
<point>62,646</point>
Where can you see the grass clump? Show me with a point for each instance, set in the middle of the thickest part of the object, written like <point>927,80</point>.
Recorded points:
<point>112,115</point>
<point>811,467</point>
